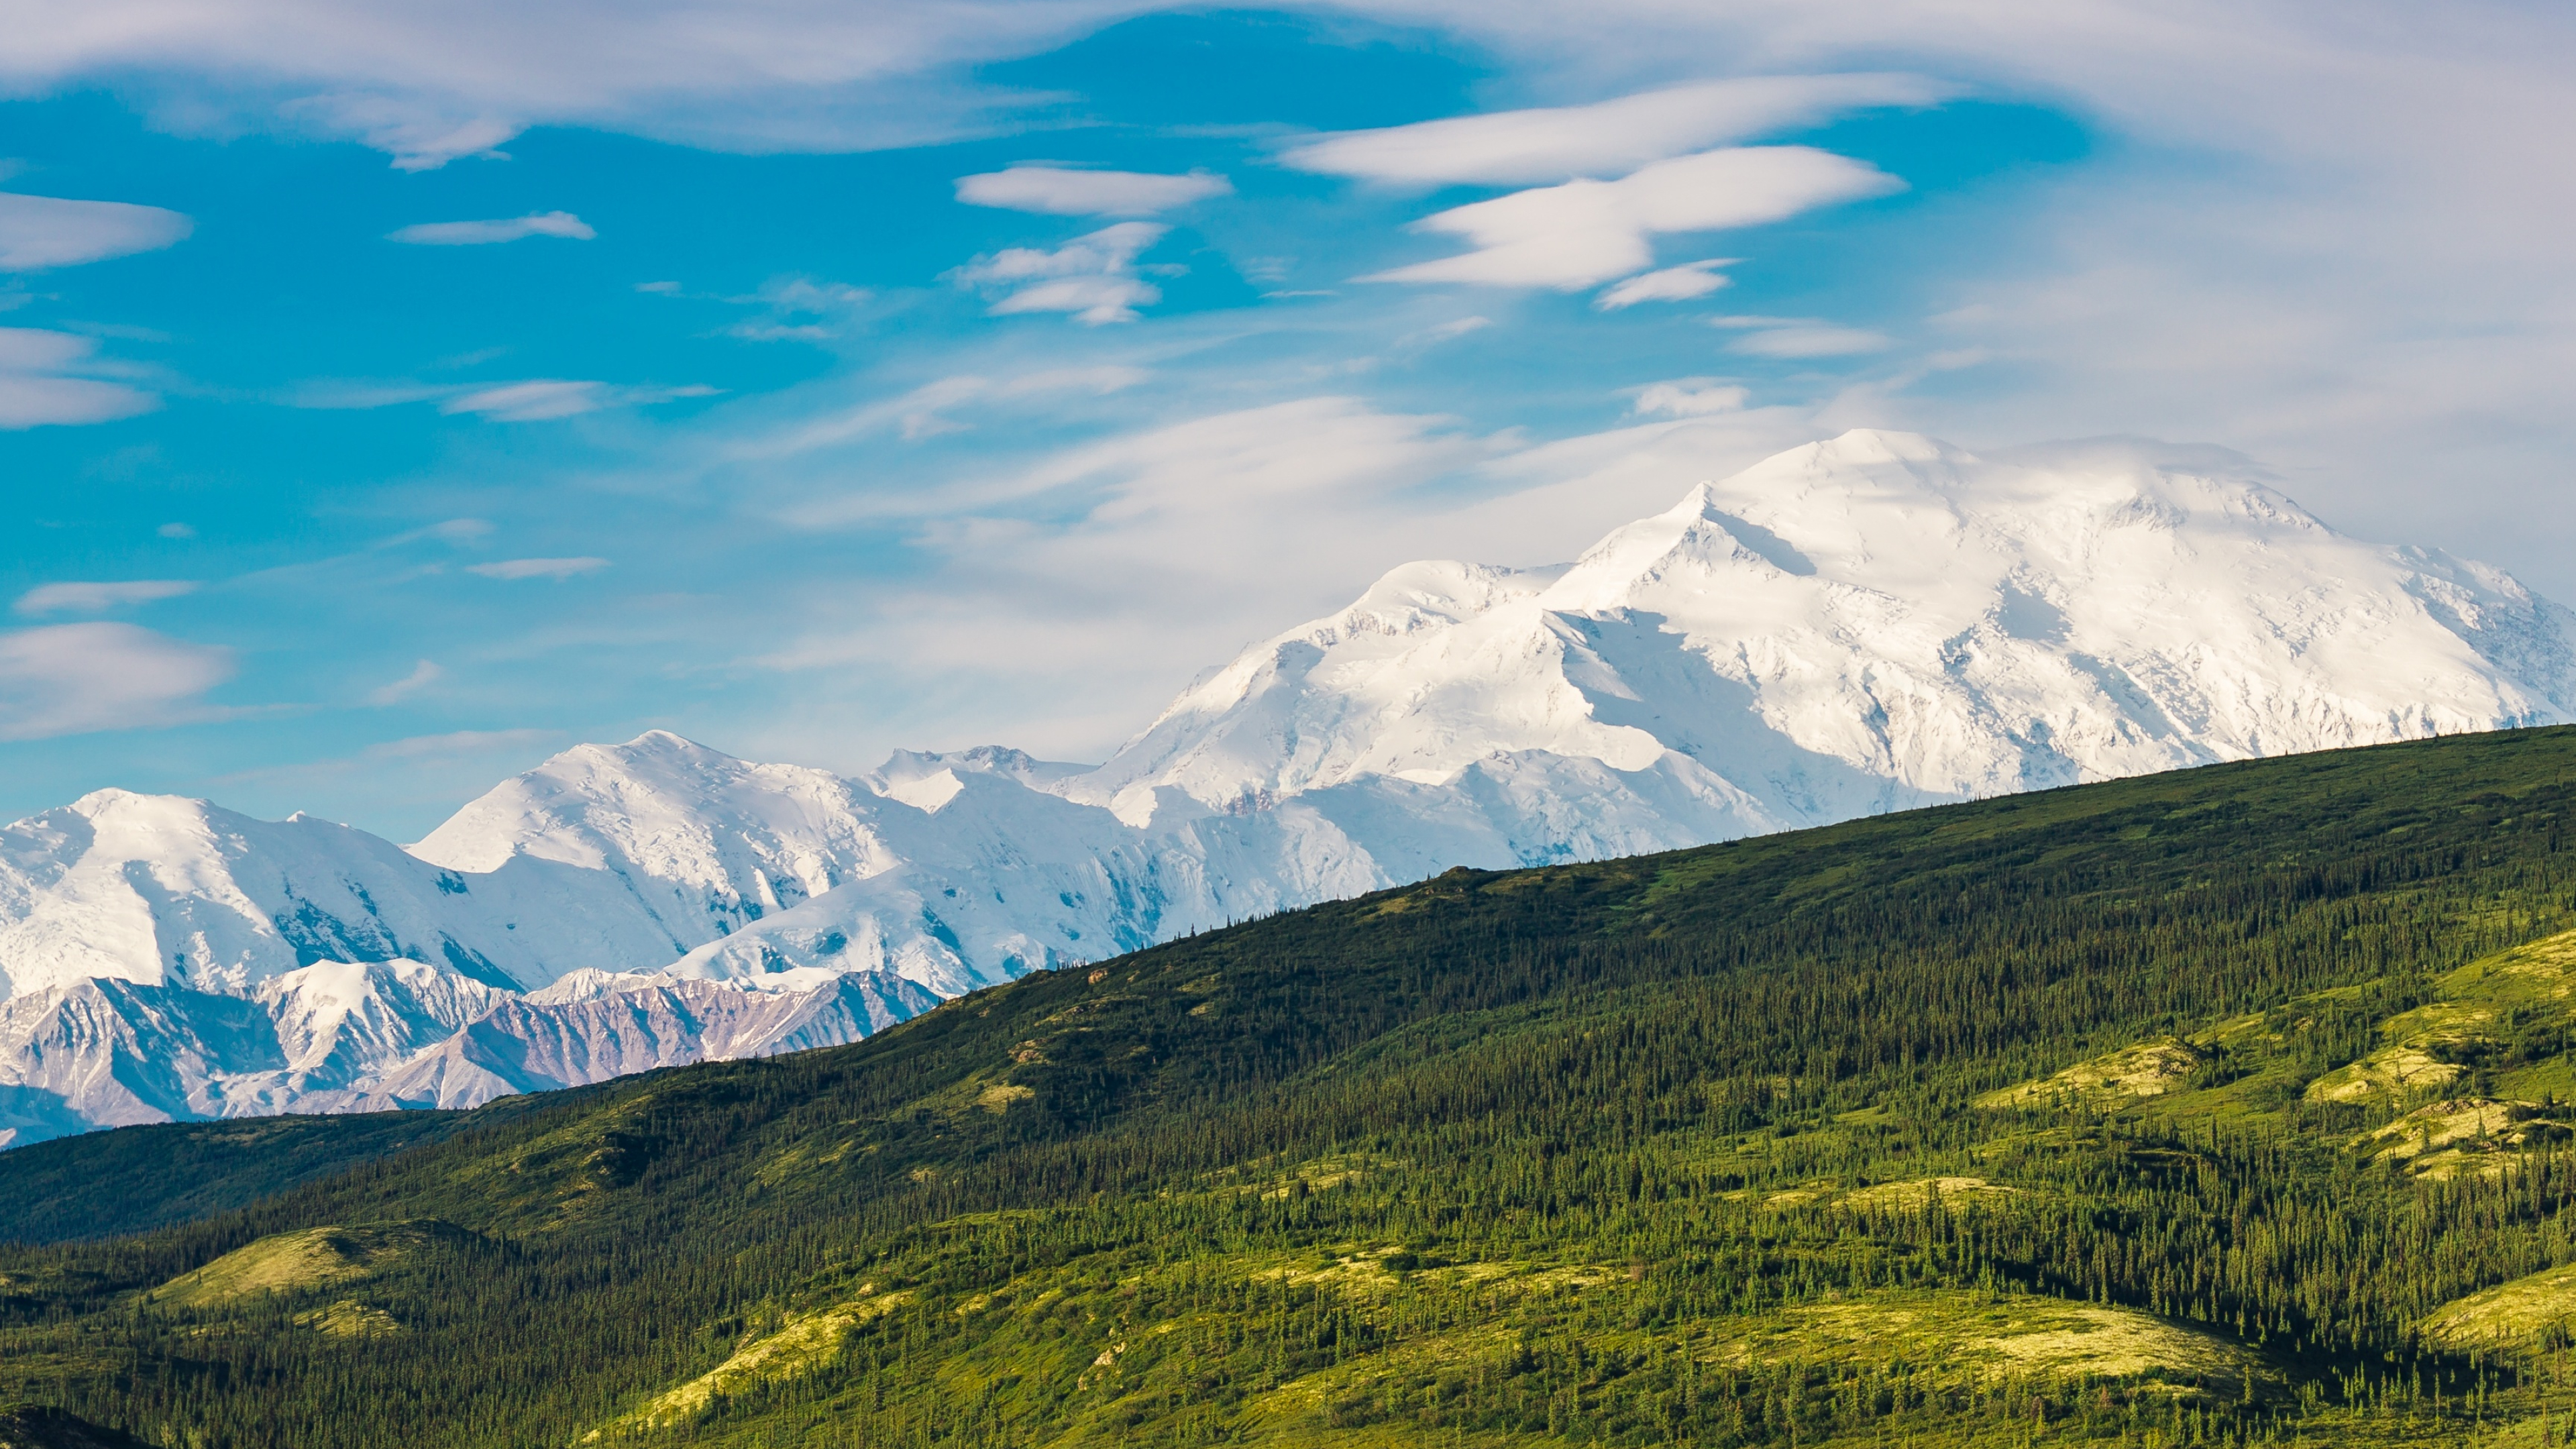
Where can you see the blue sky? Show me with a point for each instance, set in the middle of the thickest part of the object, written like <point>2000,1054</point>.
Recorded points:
<point>386,405</point>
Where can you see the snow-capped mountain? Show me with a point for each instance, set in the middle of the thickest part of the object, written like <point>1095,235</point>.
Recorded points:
<point>1870,623</point>
<point>1877,621</point>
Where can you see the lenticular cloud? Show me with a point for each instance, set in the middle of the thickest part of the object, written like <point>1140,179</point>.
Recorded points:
<point>37,232</point>
<point>485,233</point>
<point>1583,233</point>
<point>1061,191</point>
<point>1517,148</point>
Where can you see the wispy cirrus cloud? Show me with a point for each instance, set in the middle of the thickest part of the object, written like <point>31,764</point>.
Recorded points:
<point>488,233</point>
<point>459,742</point>
<point>1795,337</point>
<point>422,676</point>
<point>1064,191</point>
<point>40,232</point>
<point>925,411</point>
<point>557,569</point>
<point>1440,332</point>
<point>77,597</point>
<point>1092,278</point>
<point>533,400</point>
<point>1156,516</point>
<point>545,399</point>
<point>1583,233</point>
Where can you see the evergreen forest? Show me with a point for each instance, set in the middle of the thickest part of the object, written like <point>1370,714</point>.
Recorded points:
<point>2233,1106</point>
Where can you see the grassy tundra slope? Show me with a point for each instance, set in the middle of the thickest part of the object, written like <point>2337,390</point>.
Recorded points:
<point>2224,1105</point>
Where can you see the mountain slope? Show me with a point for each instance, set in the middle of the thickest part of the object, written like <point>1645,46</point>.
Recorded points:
<point>1742,1145</point>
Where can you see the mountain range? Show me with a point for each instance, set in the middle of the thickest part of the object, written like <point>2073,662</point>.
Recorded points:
<point>1871,623</point>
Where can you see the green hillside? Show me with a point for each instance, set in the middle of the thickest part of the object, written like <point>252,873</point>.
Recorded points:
<point>142,1178</point>
<point>2223,1106</point>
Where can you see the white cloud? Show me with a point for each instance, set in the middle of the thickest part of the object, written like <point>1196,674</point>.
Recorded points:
<point>30,402</point>
<point>1091,277</point>
<point>795,309</point>
<point>67,679</point>
<point>93,598</point>
<point>538,568</point>
<point>1089,300</point>
<point>1506,148</point>
<point>46,231</point>
<point>1062,191</point>
<point>1811,341</point>
<point>423,675</point>
<point>485,233</point>
<point>1690,397</point>
<point>420,133</point>
<point>1586,232</point>
<point>40,382</point>
<point>536,400</point>
<point>1672,284</point>
<point>177,530</point>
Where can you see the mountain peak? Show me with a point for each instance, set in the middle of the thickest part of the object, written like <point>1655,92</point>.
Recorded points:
<point>1866,446</point>
<point>1429,593</point>
<point>111,800</point>
<point>664,742</point>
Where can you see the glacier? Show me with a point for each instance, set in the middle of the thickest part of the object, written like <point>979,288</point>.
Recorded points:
<point>1869,623</point>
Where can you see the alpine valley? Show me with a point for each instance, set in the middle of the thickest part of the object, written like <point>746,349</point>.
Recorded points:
<point>1870,624</point>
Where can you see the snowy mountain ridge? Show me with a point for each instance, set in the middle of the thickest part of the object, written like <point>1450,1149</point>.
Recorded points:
<point>1870,623</point>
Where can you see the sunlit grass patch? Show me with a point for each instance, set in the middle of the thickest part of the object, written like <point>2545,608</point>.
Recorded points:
<point>2150,1069</point>
<point>307,1259</point>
